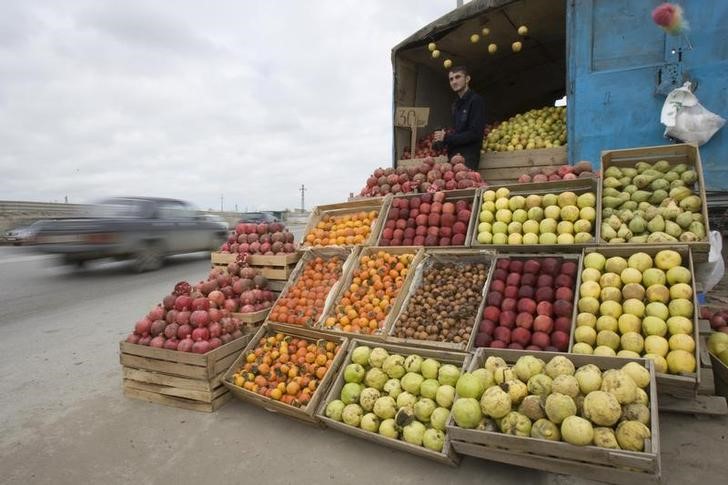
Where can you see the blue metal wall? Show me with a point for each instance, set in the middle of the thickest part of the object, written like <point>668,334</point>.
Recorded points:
<point>621,66</point>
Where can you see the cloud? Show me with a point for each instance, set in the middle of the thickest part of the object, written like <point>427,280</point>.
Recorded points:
<point>195,100</point>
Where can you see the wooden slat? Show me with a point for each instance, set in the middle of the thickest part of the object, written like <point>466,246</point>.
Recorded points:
<point>253,317</point>
<point>176,401</point>
<point>202,396</point>
<point>141,375</point>
<point>183,370</point>
<point>525,158</point>
<point>222,365</point>
<point>557,465</point>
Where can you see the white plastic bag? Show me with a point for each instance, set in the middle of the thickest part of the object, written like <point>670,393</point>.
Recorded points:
<point>686,119</point>
<point>710,273</point>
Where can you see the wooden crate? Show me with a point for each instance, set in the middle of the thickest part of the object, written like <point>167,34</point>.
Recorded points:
<point>682,386</point>
<point>499,168</point>
<point>379,204</point>
<point>617,466</point>
<point>394,310</point>
<point>307,413</point>
<point>447,456</point>
<point>431,256</point>
<point>720,374</point>
<point>564,256</point>
<point>682,153</point>
<point>451,196</point>
<point>178,379</point>
<point>578,186</point>
<point>348,256</point>
<point>275,267</point>
<point>252,318</point>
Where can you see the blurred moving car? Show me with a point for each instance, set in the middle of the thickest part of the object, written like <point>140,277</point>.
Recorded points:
<point>142,229</point>
<point>22,235</point>
<point>217,219</point>
<point>258,217</point>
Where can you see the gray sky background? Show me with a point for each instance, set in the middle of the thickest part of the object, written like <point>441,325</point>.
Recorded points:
<point>195,99</point>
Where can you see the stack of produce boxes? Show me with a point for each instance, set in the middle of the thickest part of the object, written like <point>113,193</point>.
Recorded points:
<point>550,355</point>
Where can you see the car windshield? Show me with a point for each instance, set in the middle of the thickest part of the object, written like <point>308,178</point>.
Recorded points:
<point>117,208</point>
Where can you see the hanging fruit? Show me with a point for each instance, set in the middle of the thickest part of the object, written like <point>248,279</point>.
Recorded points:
<point>431,46</point>
<point>492,48</point>
<point>516,46</point>
<point>523,30</point>
<point>474,38</point>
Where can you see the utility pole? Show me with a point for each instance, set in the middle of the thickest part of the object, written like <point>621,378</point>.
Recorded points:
<point>303,206</point>
<point>222,198</point>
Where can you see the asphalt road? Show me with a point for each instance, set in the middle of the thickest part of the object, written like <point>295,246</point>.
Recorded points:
<point>64,420</point>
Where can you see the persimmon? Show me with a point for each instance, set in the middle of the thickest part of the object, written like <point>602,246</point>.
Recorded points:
<point>292,388</point>
<point>285,368</point>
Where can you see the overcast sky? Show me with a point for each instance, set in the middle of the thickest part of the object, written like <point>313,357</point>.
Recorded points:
<point>195,99</point>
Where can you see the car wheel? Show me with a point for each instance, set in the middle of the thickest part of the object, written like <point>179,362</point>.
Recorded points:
<point>148,258</point>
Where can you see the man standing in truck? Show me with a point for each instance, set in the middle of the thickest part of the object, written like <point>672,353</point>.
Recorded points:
<point>468,112</point>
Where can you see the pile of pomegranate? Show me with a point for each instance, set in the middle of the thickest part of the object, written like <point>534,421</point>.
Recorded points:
<point>264,238</point>
<point>199,319</point>
<point>428,176</point>
<point>718,318</point>
<point>563,172</point>
<point>424,148</point>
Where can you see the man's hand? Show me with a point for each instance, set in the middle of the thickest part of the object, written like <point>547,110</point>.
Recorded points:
<point>439,135</point>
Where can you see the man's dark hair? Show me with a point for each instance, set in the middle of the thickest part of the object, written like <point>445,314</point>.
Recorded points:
<point>462,69</point>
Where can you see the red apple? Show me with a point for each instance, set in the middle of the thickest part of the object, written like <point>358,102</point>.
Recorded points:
<point>498,285</point>
<point>514,279</point>
<point>560,340</point>
<point>541,339</point>
<point>563,308</point>
<point>491,313</point>
<point>565,293</point>
<point>508,304</point>
<point>521,336</point>
<point>545,293</point>
<point>543,323</point>
<point>563,324</point>
<point>532,266</point>
<point>527,305</point>
<point>544,280</point>
<point>507,319</point>
<point>503,334</point>
<point>525,320</point>
<point>511,292</point>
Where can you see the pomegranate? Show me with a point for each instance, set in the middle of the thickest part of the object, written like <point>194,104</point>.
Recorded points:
<point>133,338</point>
<point>199,318</point>
<point>171,344</point>
<point>200,333</point>
<point>157,342</point>
<point>185,345</point>
<point>168,301</point>
<point>143,326</point>
<point>201,347</point>
<point>184,331</point>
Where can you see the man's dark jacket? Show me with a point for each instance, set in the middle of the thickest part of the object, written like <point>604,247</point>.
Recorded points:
<point>468,122</point>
